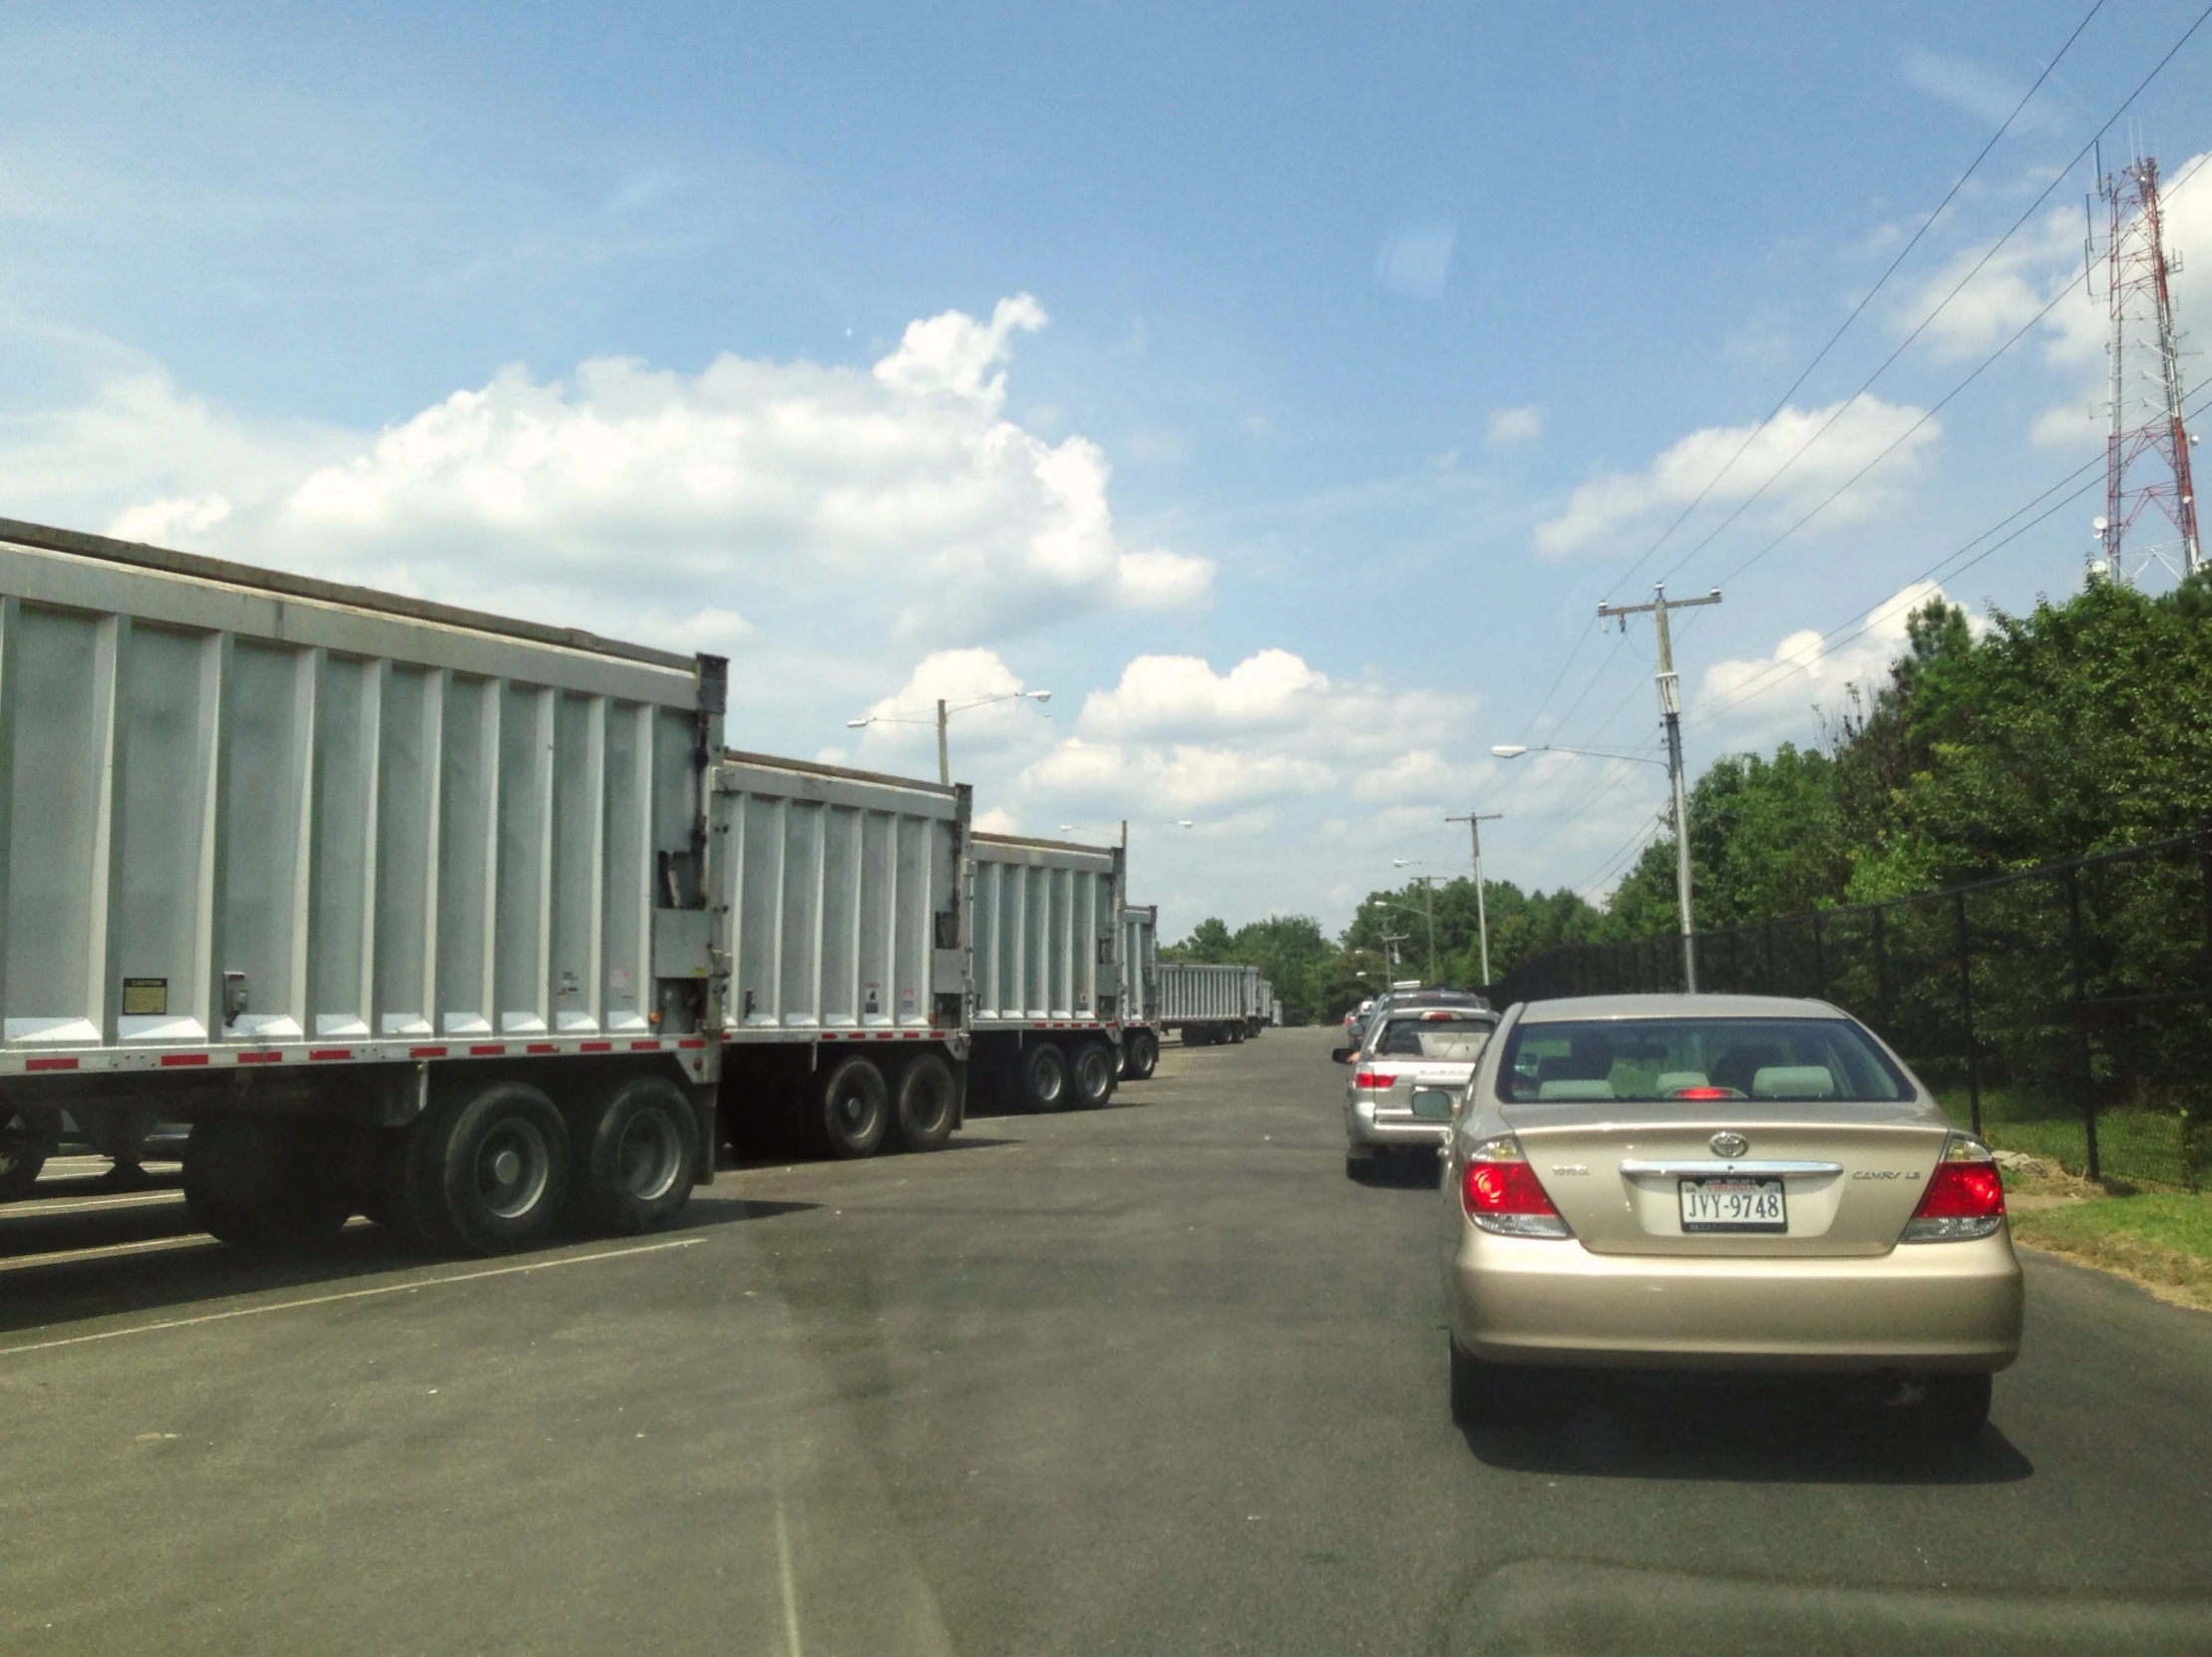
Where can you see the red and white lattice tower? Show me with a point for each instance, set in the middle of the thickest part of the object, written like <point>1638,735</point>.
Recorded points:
<point>2148,454</point>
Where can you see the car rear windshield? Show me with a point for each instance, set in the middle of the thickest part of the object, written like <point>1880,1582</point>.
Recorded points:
<point>1693,1059</point>
<point>1439,1033</point>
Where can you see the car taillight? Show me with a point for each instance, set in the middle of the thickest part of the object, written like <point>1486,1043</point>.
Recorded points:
<point>1501,1193</point>
<point>1372,1079</point>
<point>1705,1094</point>
<point>1964,1197</point>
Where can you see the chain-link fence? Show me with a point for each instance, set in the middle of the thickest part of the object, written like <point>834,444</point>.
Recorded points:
<point>2065,1011</point>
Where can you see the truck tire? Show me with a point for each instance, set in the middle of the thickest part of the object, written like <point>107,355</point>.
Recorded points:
<point>487,1171</point>
<point>637,1151</point>
<point>852,1108</point>
<point>24,1148</point>
<point>1044,1077</point>
<point>1236,1033</point>
<point>260,1183</point>
<point>1141,1055</point>
<point>1091,1069</point>
<point>927,1103</point>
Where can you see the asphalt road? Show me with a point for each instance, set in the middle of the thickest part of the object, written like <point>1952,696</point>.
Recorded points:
<point>1152,1379</point>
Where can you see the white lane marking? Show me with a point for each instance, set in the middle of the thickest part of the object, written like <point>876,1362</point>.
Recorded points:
<point>783,1572</point>
<point>355,1294</point>
<point>38,1206</point>
<point>69,1257</point>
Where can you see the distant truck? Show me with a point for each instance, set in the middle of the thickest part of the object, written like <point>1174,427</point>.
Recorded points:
<point>1045,999</point>
<point>403,908</point>
<point>1140,990</point>
<point>1208,1004</point>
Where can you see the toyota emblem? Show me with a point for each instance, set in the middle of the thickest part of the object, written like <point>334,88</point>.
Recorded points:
<point>1729,1146</point>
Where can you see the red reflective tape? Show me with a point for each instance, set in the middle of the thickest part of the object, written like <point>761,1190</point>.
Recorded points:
<point>646,1046</point>
<point>692,1041</point>
<point>426,1053</point>
<point>329,1053</point>
<point>1041,1024</point>
<point>490,1049</point>
<point>50,1064</point>
<point>543,1047</point>
<point>184,1059</point>
<point>260,1058</point>
<point>913,1035</point>
<point>886,1035</point>
<point>596,1046</point>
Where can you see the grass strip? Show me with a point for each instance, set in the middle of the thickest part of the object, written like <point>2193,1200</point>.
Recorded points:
<point>2161,1240</point>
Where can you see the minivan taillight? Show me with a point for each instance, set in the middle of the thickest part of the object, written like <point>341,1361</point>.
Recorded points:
<point>1372,1079</point>
<point>1501,1193</point>
<point>1964,1197</point>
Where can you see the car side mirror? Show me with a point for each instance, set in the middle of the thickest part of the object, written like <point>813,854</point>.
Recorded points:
<point>1342,1056</point>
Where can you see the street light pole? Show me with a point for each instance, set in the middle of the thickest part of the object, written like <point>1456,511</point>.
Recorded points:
<point>1474,821</point>
<point>945,756</point>
<point>1670,708</point>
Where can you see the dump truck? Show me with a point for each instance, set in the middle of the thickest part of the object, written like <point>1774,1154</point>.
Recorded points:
<point>403,908</point>
<point>844,1026</point>
<point>1045,970</point>
<point>1207,1003</point>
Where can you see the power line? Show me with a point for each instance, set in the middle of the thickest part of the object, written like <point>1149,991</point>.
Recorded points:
<point>1918,328</point>
<point>1865,299</point>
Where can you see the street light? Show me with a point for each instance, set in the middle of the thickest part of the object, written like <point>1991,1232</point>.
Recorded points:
<point>1428,886</point>
<point>1514,751</point>
<point>945,711</point>
<point>1673,766</point>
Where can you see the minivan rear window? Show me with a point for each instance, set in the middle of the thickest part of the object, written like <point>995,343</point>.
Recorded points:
<point>1695,1059</point>
<point>1438,1033</point>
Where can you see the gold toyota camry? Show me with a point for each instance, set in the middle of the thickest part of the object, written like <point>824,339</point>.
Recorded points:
<point>1726,1182</point>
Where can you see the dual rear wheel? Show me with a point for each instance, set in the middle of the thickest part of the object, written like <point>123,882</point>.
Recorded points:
<point>855,1110</point>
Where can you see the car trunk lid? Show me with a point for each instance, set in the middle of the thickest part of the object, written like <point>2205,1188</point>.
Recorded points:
<point>1759,1179</point>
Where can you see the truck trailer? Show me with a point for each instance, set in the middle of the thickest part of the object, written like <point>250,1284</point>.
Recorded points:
<point>1208,1004</point>
<point>404,909</point>
<point>846,1023</point>
<point>1045,1007</point>
<point>1140,990</point>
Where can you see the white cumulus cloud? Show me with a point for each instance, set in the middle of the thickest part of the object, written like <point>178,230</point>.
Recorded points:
<point>1508,426</point>
<point>902,490</point>
<point>1795,470</point>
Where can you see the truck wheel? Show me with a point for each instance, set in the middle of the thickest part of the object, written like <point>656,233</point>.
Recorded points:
<point>637,1151</point>
<point>487,1172</point>
<point>262,1183</point>
<point>1143,1057</point>
<point>853,1108</point>
<point>929,1100</point>
<point>1044,1079</point>
<point>1092,1071</point>
<point>1236,1033</point>
<point>24,1149</point>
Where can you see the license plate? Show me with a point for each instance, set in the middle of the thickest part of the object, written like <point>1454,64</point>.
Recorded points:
<point>1432,1104</point>
<point>1734,1204</point>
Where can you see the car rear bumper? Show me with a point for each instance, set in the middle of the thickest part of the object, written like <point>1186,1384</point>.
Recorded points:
<point>1922,1306</point>
<point>1393,1132</point>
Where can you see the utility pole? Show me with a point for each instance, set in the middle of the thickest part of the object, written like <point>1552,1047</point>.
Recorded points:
<point>1428,899</point>
<point>1474,821</point>
<point>1671,709</point>
<point>1390,941</point>
<point>944,758</point>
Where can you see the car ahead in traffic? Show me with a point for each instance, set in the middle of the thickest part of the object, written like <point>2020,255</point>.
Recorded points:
<point>1720,1182</point>
<point>1404,995</point>
<point>1406,1079</point>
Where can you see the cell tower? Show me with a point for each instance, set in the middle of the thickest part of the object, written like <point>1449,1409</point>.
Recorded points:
<point>2148,454</point>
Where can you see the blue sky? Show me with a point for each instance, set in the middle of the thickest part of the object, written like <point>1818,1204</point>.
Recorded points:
<point>1297,385</point>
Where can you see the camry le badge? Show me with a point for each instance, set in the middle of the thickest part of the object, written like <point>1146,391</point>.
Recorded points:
<point>1729,1146</point>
